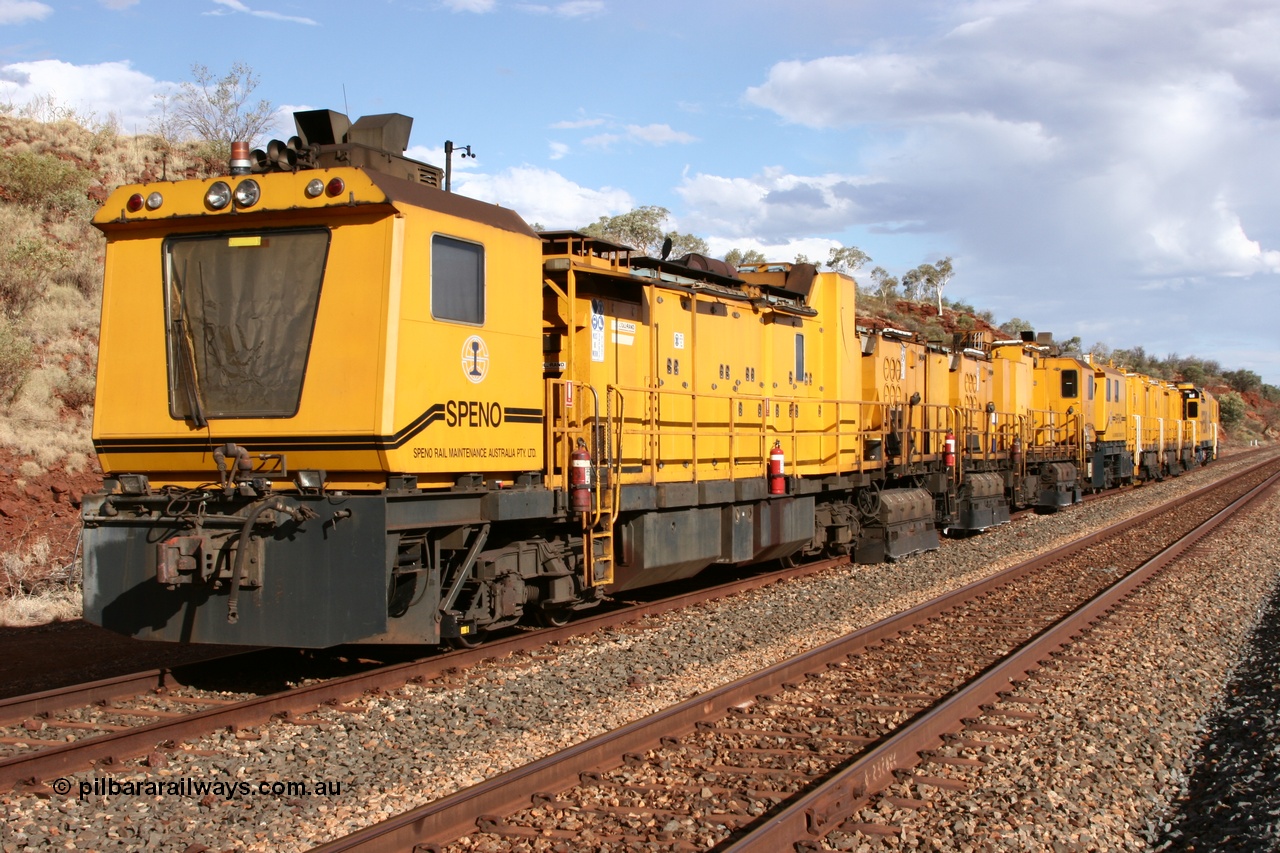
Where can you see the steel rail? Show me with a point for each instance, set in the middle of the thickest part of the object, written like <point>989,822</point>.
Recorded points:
<point>425,827</point>
<point>15,709</point>
<point>821,810</point>
<point>30,769</point>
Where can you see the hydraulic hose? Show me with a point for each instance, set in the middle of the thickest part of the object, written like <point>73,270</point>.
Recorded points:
<point>298,513</point>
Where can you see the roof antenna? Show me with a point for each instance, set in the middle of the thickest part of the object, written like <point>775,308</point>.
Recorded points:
<point>345,108</point>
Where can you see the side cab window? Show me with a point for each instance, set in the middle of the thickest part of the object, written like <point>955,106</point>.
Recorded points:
<point>457,280</point>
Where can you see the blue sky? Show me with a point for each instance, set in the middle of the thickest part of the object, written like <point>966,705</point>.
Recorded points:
<point>1101,169</point>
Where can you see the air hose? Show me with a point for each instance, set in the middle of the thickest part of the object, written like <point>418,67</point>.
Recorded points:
<point>297,513</point>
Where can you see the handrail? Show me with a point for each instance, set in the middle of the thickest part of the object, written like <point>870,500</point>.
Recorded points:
<point>724,419</point>
<point>736,430</point>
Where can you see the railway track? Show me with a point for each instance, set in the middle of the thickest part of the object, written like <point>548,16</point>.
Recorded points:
<point>787,756</point>
<point>105,723</point>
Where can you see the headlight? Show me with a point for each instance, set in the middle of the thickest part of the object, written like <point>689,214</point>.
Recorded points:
<point>218,196</point>
<point>315,186</point>
<point>309,480</point>
<point>154,201</point>
<point>134,484</point>
<point>247,193</point>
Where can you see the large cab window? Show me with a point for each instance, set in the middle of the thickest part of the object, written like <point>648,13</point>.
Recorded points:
<point>457,280</point>
<point>240,310</point>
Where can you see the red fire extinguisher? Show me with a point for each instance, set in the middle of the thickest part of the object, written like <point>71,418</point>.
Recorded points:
<point>777,482</point>
<point>949,452</point>
<point>580,478</point>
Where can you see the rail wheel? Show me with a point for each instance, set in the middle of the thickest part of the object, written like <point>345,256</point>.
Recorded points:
<point>556,618</point>
<point>468,641</point>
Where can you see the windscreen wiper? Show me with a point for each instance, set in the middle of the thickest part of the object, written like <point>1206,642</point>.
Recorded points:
<point>188,376</point>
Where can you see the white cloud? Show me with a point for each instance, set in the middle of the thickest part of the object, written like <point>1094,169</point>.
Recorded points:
<point>476,6</point>
<point>570,9</point>
<point>21,11</point>
<point>117,5</point>
<point>435,156</point>
<point>650,134</point>
<point>836,90</point>
<point>773,207</point>
<point>659,134</point>
<point>237,6</point>
<point>579,8</point>
<point>577,124</point>
<point>1214,240</point>
<point>813,248</point>
<point>1133,136</point>
<point>602,140</point>
<point>544,196</point>
<point>101,90</point>
<point>558,150</point>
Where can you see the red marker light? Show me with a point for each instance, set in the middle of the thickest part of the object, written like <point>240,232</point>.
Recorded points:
<point>335,187</point>
<point>135,203</point>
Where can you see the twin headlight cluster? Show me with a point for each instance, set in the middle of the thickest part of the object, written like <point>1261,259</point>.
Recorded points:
<point>245,194</point>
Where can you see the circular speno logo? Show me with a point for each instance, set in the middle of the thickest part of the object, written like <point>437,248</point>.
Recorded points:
<point>475,359</point>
